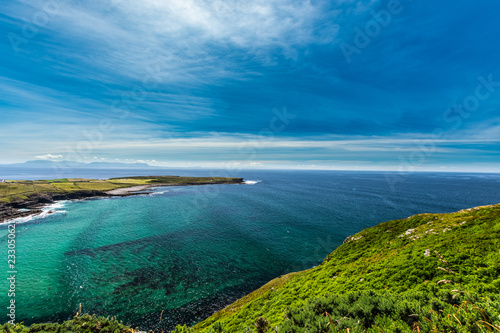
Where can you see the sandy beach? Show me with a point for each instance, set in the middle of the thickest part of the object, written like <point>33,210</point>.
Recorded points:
<point>128,190</point>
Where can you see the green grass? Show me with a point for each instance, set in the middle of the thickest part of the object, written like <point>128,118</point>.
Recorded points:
<point>4,188</point>
<point>47,188</point>
<point>99,185</point>
<point>62,180</point>
<point>79,324</point>
<point>67,187</point>
<point>379,311</point>
<point>14,191</point>
<point>20,188</point>
<point>133,181</point>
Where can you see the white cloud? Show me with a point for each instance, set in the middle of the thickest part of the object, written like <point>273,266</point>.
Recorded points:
<point>48,157</point>
<point>245,141</point>
<point>247,24</point>
<point>185,37</point>
<point>488,130</point>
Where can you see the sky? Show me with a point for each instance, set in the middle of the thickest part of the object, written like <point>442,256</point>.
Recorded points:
<point>338,84</point>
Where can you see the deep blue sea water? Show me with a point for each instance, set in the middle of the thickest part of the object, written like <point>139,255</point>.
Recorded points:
<point>189,251</point>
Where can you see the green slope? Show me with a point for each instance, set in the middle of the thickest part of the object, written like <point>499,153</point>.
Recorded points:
<point>451,258</point>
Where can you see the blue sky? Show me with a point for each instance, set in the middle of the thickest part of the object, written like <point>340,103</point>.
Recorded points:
<point>338,84</point>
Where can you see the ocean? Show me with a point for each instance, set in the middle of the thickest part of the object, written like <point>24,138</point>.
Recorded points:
<point>179,254</point>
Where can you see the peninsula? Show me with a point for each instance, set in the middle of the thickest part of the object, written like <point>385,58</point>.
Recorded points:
<point>19,198</point>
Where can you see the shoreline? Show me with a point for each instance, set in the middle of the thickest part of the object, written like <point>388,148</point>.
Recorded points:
<point>137,190</point>
<point>127,190</point>
<point>33,207</point>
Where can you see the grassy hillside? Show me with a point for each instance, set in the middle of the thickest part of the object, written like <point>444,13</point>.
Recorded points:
<point>18,190</point>
<point>402,270</point>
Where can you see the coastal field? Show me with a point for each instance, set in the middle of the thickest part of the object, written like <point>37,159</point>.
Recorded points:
<point>18,190</point>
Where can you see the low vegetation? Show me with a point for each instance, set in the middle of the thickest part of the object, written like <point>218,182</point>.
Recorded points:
<point>79,324</point>
<point>378,311</point>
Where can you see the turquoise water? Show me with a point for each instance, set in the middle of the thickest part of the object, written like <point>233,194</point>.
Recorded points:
<point>189,251</point>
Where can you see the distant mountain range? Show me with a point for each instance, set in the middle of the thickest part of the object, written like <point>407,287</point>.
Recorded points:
<point>70,164</point>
